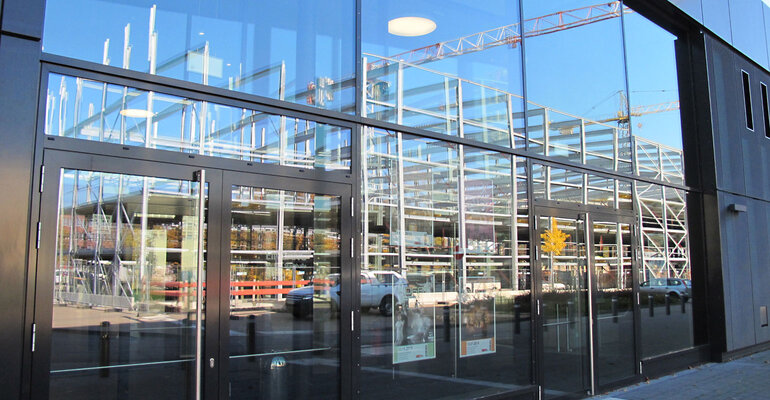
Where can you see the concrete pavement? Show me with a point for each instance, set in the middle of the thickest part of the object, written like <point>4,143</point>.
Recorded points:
<point>744,378</point>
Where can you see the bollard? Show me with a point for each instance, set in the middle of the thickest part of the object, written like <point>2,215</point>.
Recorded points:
<point>446,324</point>
<point>516,318</point>
<point>668,304</point>
<point>251,337</point>
<point>650,300</point>
<point>615,309</point>
<point>104,349</point>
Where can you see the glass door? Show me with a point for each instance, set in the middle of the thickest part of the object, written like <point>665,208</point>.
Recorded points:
<point>564,304</point>
<point>289,258</point>
<point>586,301</point>
<point>121,279</point>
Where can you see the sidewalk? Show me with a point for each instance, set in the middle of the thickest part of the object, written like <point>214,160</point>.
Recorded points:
<point>744,378</point>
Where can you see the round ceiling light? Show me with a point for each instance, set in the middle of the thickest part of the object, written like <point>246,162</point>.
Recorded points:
<point>136,113</point>
<point>411,26</point>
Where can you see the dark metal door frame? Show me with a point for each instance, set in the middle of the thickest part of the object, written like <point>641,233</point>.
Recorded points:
<point>54,161</point>
<point>217,288</point>
<point>346,259</point>
<point>587,214</point>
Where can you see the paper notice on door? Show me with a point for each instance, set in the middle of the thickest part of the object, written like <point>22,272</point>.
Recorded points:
<point>478,328</point>
<point>414,333</point>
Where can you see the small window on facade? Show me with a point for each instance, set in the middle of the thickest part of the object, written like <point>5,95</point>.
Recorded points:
<point>747,100</point>
<point>765,109</point>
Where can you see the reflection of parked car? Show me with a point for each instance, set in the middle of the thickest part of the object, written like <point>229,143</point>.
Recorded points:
<point>676,288</point>
<point>378,289</point>
<point>382,289</point>
<point>300,300</point>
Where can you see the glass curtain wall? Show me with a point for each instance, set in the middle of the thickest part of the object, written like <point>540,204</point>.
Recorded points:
<point>654,119</point>
<point>97,111</point>
<point>445,268</point>
<point>300,51</point>
<point>447,224</point>
<point>452,67</point>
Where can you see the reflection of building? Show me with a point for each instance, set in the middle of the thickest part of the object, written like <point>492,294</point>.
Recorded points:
<point>290,200</point>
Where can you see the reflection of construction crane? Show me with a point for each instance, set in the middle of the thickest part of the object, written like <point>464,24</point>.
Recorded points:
<point>623,119</point>
<point>509,34</point>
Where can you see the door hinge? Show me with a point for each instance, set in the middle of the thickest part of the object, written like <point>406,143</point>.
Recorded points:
<point>352,321</point>
<point>538,307</point>
<point>42,178</point>
<point>37,241</point>
<point>351,248</point>
<point>352,212</point>
<point>640,367</point>
<point>34,336</point>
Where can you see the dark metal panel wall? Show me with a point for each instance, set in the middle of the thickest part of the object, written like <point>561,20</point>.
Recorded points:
<point>20,66</point>
<point>726,116</point>
<point>743,180</point>
<point>23,18</point>
<point>759,221</point>
<point>755,145</point>
<point>736,258</point>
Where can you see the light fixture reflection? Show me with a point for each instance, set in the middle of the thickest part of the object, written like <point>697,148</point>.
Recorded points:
<point>411,26</point>
<point>136,113</point>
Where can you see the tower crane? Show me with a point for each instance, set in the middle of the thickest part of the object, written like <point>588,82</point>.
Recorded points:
<point>508,34</point>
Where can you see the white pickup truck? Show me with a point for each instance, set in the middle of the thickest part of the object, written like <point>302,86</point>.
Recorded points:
<point>379,289</point>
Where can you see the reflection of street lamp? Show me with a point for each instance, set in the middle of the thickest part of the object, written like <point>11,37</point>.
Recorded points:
<point>136,113</point>
<point>411,26</point>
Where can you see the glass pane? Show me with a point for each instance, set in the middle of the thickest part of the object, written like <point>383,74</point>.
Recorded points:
<point>284,294</point>
<point>91,110</point>
<point>666,309</point>
<point>461,75</point>
<point>565,321</point>
<point>614,312</point>
<point>431,318</point>
<point>302,51</point>
<point>576,80</point>
<point>125,287</point>
<point>652,80</point>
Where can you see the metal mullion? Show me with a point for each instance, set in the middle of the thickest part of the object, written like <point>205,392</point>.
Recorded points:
<point>588,240</point>
<point>401,208</point>
<point>461,217</point>
<point>514,225</point>
<point>400,93</point>
<point>199,284</point>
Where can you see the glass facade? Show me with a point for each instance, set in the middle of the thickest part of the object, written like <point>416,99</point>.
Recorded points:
<point>485,199</point>
<point>298,51</point>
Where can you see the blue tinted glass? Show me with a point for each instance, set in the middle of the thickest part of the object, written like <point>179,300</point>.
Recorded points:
<point>300,51</point>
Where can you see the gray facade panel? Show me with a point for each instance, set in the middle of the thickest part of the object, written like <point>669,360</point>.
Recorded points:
<point>23,17</point>
<point>727,117</point>
<point>760,261</point>
<point>748,29</point>
<point>716,17</point>
<point>736,264</point>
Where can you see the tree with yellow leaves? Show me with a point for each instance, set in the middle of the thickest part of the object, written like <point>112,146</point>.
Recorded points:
<point>554,239</point>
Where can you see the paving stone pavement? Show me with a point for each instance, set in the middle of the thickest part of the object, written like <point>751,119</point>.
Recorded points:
<point>744,378</point>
